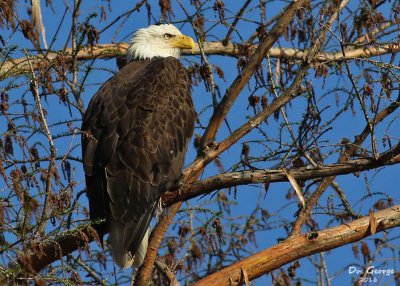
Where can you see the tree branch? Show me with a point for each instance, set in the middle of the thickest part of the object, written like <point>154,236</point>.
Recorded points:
<point>167,273</point>
<point>49,251</point>
<point>301,246</point>
<point>20,66</point>
<point>195,189</point>
<point>53,150</point>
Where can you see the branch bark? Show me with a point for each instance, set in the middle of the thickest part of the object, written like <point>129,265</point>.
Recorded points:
<point>301,246</point>
<point>198,188</point>
<point>52,250</point>
<point>14,67</point>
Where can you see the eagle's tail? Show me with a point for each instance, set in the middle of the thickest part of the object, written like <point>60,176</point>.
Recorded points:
<point>142,250</point>
<point>121,254</point>
<point>129,241</point>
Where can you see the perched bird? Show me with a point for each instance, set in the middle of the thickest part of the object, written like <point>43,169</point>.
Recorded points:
<point>136,132</point>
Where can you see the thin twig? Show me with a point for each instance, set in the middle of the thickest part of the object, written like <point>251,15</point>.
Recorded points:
<point>137,7</point>
<point>209,81</point>
<point>167,273</point>
<point>325,269</point>
<point>91,272</point>
<point>364,109</point>
<point>75,46</point>
<point>359,282</point>
<point>344,200</point>
<point>237,18</point>
<point>53,151</point>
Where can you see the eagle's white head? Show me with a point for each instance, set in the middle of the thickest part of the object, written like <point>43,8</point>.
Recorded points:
<point>158,41</point>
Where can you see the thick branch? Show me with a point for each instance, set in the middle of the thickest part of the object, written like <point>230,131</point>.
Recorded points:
<point>301,246</point>
<point>227,180</point>
<point>105,51</point>
<point>49,251</point>
<point>21,65</point>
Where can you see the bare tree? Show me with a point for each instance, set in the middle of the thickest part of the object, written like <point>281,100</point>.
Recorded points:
<point>292,173</point>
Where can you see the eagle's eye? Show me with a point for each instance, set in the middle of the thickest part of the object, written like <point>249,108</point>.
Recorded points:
<point>167,36</point>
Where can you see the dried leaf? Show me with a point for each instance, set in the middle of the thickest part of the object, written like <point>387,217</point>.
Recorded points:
<point>278,71</point>
<point>166,8</point>
<point>355,250</point>
<point>37,20</point>
<point>365,252</point>
<point>295,186</point>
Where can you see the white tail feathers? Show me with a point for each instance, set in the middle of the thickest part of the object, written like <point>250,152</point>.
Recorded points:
<point>122,256</point>
<point>142,250</point>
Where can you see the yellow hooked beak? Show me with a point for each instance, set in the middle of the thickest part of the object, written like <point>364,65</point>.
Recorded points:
<point>183,42</point>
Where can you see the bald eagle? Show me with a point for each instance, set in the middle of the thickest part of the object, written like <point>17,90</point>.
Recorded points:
<point>136,132</point>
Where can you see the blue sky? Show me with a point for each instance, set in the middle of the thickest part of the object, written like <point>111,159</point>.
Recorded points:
<point>247,197</point>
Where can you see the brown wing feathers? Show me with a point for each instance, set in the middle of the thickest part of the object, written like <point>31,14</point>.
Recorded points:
<point>139,123</point>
